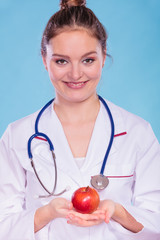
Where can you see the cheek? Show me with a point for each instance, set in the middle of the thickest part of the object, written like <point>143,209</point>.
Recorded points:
<point>95,72</point>
<point>55,74</point>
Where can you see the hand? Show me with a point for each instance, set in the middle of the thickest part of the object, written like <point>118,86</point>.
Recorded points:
<point>59,207</point>
<point>103,213</point>
<point>85,220</point>
<point>109,207</point>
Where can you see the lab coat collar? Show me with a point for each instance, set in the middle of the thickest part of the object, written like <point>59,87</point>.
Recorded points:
<point>97,147</point>
<point>64,158</point>
<point>101,136</point>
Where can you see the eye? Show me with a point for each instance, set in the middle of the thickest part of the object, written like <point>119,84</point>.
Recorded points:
<point>88,60</point>
<point>61,61</point>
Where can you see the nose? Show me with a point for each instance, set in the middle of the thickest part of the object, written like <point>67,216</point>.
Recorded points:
<point>75,72</point>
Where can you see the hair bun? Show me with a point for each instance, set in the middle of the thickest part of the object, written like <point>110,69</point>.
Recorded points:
<point>71,3</point>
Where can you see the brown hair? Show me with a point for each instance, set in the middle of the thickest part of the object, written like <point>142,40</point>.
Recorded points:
<point>73,14</point>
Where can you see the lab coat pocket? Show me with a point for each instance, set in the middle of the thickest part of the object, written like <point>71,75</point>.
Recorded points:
<point>121,182</point>
<point>123,171</point>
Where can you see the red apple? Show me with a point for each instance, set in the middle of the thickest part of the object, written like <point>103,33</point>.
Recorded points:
<point>85,200</point>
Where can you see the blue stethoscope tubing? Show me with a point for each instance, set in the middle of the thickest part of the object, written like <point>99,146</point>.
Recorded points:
<point>98,181</point>
<point>39,134</point>
<point>111,137</point>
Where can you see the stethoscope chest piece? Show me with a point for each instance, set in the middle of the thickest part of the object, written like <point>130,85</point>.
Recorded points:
<point>99,182</point>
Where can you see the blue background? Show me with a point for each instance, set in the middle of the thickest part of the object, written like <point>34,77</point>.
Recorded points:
<point>130,81</point>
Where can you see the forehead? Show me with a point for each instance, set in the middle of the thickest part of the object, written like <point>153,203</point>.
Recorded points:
<point>71,40</point>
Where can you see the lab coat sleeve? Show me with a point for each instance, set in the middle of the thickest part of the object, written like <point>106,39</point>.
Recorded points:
<point>15,221</point>
<point>145,206</point>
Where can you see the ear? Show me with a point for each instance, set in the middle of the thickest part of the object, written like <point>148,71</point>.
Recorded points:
<point>104,57</point>
<point>44,62</point>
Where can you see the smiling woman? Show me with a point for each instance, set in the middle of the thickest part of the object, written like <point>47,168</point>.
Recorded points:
<point>78,128</point>
<point>74,64</point>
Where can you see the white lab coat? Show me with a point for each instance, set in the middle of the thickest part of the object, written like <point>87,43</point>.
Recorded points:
<point>133,170</point>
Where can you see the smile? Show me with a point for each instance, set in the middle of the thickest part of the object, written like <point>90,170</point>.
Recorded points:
<point>76,85</point>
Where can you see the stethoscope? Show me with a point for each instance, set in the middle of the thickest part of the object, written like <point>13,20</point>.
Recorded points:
<point>99,181</point>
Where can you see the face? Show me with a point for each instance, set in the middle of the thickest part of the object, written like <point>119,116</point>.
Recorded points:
<point>74,61</point>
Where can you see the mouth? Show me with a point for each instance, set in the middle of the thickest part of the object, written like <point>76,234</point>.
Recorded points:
<point>76,85</point>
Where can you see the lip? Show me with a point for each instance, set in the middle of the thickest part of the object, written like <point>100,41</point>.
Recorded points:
<point>76,85</point>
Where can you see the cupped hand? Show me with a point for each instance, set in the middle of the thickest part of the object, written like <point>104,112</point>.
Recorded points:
<point>59,207</point>
<point>62,208</point>
<point>109,207</point>
<point>102,214</point>
<point>85,220</point>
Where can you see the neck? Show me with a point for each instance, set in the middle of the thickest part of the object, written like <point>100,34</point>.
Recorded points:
<point>74,112</point>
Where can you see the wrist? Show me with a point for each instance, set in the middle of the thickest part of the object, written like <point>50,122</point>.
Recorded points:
<point>42,217</point>
<point>50,212</point>
<point>123,217</point>
<point>117,212</point>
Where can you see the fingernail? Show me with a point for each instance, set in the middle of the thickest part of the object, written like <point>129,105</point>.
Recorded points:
<point>107,220</point>
<point>69,205</point>
<point>70,216</point>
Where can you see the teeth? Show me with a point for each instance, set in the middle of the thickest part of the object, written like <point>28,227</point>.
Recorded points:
<point>74,84</point>
<point>77,84</point>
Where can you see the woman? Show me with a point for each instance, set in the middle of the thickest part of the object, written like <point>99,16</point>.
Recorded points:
<point>74,53</point>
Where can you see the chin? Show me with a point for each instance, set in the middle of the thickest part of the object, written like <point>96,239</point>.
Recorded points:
<point>76,96</point>
<point>80,98</point>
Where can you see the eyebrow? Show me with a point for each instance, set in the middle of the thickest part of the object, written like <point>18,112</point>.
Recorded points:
<point>65,56</point>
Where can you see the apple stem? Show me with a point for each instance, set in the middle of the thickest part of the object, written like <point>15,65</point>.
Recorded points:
<point>87,188</point>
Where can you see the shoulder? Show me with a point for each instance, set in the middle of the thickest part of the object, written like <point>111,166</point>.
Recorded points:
<point>23,124</point>
<point>136,127</point>
<point>17,132</point>
<point>124,116</point>
<point>27,124</point>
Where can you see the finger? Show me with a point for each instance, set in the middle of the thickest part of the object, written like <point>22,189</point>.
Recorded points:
<point>72,216</point>
<point>87,217</point>
<point>90,216</point>
<point>68,205</point>
<point>83,223</point>
<point>107,217</point>
<point>86,224</point>
<point>95,212</point>
<point>99,211</point>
